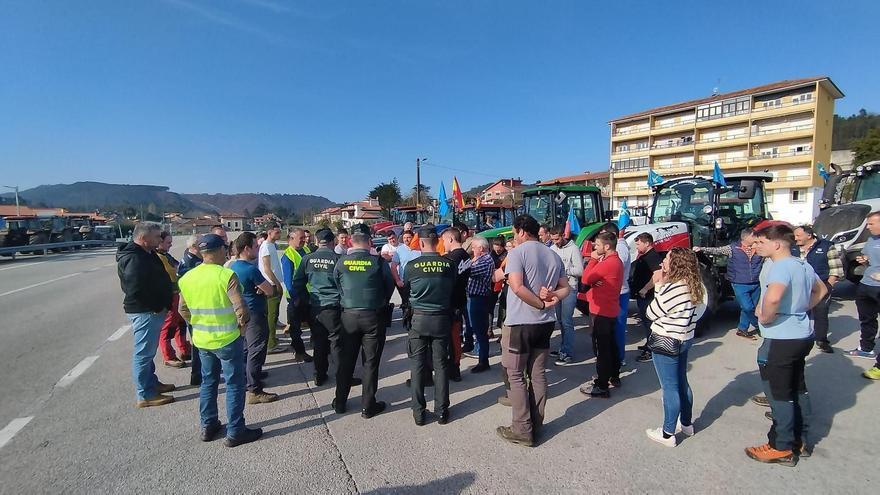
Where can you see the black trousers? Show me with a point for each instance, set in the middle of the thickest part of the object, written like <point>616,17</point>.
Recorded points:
<point>781,364</point>
<point>605,347</point>
<point>493,301</point>
<point>326,326</point>
<point>195,373</point>
<point>868,306</point>
<point>297,313</point>
<point>362,329</point>
<point>256,336</point>
<point>429,341</point>
<point>819,314</point>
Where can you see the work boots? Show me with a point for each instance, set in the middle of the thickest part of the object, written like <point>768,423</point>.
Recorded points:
<point>507,433</point>
<point>158,400</point>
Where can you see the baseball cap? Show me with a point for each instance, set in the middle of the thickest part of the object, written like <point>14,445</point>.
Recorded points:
<point>210,242</point>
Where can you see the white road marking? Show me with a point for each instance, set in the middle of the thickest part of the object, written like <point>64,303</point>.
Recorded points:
<point>77,370</point>
<point>12,428</point>
<point>20,266</point>
<point>69,275</point>
<point>119,333</point>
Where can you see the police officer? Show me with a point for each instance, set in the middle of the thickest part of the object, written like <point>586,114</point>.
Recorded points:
<point>430,279</point>
<point>365,286</point>
<point>315,282</point>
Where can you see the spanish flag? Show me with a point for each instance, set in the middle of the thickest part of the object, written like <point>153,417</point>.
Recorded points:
<point>457,198</point>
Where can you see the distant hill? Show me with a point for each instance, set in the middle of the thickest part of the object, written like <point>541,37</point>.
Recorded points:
<point>248,202</point>
<point>853,127</point>
<point>87,196</point>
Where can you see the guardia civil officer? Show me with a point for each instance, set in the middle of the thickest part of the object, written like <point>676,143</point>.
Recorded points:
<point>365,287</point>
<point>315,282</point>
<point>430,280</point>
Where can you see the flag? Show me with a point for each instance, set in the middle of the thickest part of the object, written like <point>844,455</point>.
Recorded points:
<point>623,219</point>
<point>572,226</point>
<point>822,172</point>
<point>443,204</point>
<point>717,176</point>
<point>654,179</point>
<point>457,199</point>
<point>478,202</point>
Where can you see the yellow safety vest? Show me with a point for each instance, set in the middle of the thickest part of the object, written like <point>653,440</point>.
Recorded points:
<point>213,316</point>
<point>296,258</point>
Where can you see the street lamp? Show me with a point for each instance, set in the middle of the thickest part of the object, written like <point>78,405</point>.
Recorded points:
<point>17,206</point>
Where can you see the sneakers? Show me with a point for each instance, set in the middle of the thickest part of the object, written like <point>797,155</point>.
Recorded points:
<point>164,388</point>
<point>260,397</point>
<point>657,436</point>
<point>249,435</point>
<point>377,408</point>
<point>687,430</point>
<point>766,453</point>
<point>302,357</point>
<point>480,368</point>
<point>594,391</point>
<point>209,433</point>
<point>504,401</point>
<point>175,363</point>
<point>747,334</point>
<point>872,374</point>
<point>158,400</point>
<point>645,357</point>
<point>507,434</point>
<point>275,350</point>
<point>564,359</point>
<point>824,347</point>
<point>554,354</point>
<point>443,418</point>
<point>471,354</point>
<point>858,352</point>
<point>761,400</point>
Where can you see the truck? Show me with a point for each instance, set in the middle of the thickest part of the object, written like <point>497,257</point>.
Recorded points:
<point>550,205</point>
<point>698,211</point>
<point>847,199</point>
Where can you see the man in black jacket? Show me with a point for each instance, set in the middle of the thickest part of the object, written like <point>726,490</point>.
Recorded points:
<point>147,290</point>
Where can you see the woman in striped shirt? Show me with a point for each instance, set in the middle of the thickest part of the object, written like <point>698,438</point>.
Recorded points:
<point>673,313</point>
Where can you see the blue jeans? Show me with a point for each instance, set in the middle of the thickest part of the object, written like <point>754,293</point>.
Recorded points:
<point>747,295</point>
<point>231,359</point>
<point>677,396</point>
<point>145,328</point>
<point>478,325</point>
<point>565,317</point>
<point>620,328</point>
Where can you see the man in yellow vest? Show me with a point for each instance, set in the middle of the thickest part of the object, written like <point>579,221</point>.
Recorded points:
<point>211,302</point>
<point>297,307</point>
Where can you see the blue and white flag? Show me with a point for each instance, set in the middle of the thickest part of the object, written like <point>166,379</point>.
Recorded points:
<point>654,179</point>
<point>572,225</point>
<point>623,219</point>
<point>822,172</point>
<point>717,176</point>
<point>443,204</point>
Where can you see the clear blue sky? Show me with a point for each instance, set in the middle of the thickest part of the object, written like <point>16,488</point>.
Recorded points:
<point>330,98</point>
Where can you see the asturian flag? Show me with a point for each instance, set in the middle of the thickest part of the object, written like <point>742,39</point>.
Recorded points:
<point>717,176</point>
<point>623,219</point>
<point>654,179</point>
<point>572,226</point>
<point>822,172</point>
<point>443,207</point>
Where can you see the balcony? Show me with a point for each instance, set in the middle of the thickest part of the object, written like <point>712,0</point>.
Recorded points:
<point>722,161</point>
<point>715,142</point>
<point>633,133</point>
<point>795,131</point>
<point>789,181</point>
<point>784,109</point>
<point>780,158</point>
<point>630,172</point>
<point>630,151</point>
<point>672,168</point>
<point>723,119</point>
<point>671,127</point>
<point>637,189</point>
<point>675,146</point>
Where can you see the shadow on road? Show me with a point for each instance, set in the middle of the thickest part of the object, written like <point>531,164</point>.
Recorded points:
<point>456,483</point>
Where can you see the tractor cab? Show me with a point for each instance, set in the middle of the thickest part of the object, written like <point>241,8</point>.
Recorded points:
<point>486,217</point>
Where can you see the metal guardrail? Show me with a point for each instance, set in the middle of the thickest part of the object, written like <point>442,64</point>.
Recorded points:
<point>45,248</point>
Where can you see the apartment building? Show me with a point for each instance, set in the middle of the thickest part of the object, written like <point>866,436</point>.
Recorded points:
<point>783,128</point>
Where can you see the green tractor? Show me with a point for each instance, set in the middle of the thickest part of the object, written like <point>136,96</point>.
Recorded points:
<point>550,204</point>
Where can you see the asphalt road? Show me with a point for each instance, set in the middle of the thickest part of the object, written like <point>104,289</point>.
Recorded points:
<point>59,368</point>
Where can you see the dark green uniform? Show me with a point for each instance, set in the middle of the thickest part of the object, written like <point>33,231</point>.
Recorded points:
<point>365,286</point>
<point>315,281</point>
<point>430,280</point>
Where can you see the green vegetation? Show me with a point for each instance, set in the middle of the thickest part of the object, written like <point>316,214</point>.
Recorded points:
<point>848,129</point>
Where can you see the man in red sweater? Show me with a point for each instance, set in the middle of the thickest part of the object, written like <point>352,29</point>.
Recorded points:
<point>604,275</point>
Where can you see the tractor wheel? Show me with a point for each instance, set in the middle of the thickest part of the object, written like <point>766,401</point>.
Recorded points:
<point>711,299</point>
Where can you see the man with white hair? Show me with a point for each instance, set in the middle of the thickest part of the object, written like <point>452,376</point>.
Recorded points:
<point>478,289</point>
<point>147,291</point>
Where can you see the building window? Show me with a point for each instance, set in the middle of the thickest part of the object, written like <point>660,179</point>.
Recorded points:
<point>798,196</point>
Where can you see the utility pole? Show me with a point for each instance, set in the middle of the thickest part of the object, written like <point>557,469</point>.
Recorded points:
<point>17,205</point>
<point>418,182</point>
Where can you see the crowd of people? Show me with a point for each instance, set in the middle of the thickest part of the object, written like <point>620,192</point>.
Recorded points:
<point>227,296</point>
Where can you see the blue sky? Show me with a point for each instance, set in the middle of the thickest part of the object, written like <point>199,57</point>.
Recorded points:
<point>331,98</point>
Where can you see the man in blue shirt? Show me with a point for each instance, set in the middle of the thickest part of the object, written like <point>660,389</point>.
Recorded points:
<point>254,289</point>
<point>403,255</point>
<point>789,289</point>
<point>868,297</point>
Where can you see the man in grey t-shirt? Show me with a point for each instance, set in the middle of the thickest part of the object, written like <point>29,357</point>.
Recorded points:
<point>537,283</point>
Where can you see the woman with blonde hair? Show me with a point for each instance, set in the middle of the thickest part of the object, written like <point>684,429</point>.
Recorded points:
<point>673,313</point>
